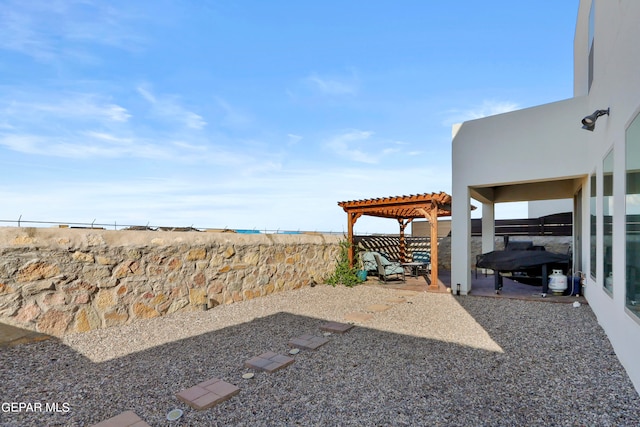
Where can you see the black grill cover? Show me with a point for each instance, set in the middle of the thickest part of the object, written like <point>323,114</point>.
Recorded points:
<point>519,260</point>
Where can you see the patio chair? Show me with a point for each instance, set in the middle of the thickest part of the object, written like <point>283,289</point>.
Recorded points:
<point>386,268</point>
<point>425,258</point>
<point>369,262</point>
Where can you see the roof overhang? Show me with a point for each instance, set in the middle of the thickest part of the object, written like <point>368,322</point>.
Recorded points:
<point>549,189</point>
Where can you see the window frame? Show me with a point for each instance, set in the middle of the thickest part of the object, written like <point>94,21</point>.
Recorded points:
<point>593,225</point>
<point>606,215</point>
<point>632,218</point>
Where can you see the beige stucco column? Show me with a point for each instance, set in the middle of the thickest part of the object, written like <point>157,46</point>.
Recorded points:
<point>488,228</point>
<point>460,238</point>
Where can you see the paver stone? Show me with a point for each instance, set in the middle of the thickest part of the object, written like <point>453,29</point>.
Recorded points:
<point>336,327</point>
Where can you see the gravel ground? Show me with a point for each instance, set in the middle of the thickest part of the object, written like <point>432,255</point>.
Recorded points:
<point>433,360</point>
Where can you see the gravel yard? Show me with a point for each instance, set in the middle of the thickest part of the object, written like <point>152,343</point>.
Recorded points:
<point>433,359</point>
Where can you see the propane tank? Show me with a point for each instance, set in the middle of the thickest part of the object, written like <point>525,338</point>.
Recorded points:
<point>557,282</point>
<point>608,281</point>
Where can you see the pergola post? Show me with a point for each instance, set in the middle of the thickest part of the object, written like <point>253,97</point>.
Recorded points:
<point>352,217</point>
<point>431,215</point>
<point>433,221</point>
<point>403,223</point>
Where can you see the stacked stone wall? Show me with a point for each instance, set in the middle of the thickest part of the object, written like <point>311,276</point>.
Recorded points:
<point>59,281</point>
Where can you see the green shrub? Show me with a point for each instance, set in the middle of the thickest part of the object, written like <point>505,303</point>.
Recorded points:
<point>344,274</point>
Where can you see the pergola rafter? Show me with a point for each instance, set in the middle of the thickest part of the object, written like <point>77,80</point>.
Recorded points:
<point>404,209</point>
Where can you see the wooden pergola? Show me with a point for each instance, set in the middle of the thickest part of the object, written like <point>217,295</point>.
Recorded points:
<point>404,209</point>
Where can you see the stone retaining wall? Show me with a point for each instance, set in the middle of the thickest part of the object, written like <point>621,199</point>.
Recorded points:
<point>59,281</point>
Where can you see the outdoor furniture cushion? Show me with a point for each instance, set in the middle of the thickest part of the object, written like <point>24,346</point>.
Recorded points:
<point>369,260</point>
<point>424,257</point>
<point>388,269</point>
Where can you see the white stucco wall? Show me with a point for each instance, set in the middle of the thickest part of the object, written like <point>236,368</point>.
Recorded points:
<point>525,146</point>
<point>616,85</point>
<point>530,144</point>
<point>546,143</point>
<point>536,209</point>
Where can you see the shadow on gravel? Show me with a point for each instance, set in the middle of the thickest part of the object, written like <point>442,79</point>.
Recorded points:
<point>554,371</point>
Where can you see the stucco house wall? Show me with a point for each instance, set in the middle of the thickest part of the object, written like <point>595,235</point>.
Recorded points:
<point>543,153</point>
<point>537,209</point>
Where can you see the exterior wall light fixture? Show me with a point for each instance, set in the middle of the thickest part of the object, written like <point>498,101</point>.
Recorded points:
<point>589,122</point>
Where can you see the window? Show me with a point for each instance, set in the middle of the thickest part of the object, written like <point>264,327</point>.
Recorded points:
<point>632,212</point>
<point>607,221</point>
<point>592,25</point>
<point>593,224</point>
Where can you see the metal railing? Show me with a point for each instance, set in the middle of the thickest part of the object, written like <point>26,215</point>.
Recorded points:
<point>148,227</point>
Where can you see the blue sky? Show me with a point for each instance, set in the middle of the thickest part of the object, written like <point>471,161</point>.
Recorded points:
<point>256,114</point>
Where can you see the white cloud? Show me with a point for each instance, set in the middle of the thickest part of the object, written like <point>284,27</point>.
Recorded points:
<point>491,108</point>
<point>88,125</point>
<point>55,30</point>
<point>487,108</point>
<point>117,113</point>
<point>108,137</point>
<point>243,159</point>
<point>169,108</point>
<point>387,151</point>
<point>18,33</point>
<point>231,116</point>
<point>146,95</point>
<point>84,145</point>
<point>633,204</point>
<point>213,198</point>
<point>66,106</point>
<point>193,120</point>
<point>361,146</point>
<point>21,143</point>
<point>187,146</point>
<point>293,138</point>
<point>344,145</point>
<point>332,86</point>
